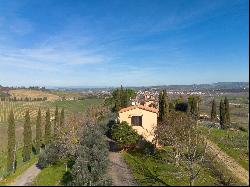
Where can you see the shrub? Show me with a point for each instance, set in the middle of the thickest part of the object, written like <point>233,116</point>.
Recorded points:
<point>92,159</point>
<point>147,147</point>
<point>125,135</point>
<point>49,156</point>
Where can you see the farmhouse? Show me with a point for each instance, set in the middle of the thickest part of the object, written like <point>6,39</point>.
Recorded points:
<point>143,119</point>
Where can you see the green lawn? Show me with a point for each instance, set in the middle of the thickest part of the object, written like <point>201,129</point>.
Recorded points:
<point>234,143</point>
<point>76,106</point>
<point>161,170</point>
<point>50,176</point>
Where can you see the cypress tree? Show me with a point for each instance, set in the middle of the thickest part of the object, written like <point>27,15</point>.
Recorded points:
<point>56,123</point>
<point>47,127</point>
<point>38,132</point>
<point>222,114</point>
<point>11,149</point>
<point>193,106</point>
<point>62,118</point>
<point>163,106</point>
<point>227,113</point>
<point>213,111</point>
<point>27,138</point>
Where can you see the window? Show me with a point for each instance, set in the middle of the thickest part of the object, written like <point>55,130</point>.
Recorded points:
<point>136,120</point>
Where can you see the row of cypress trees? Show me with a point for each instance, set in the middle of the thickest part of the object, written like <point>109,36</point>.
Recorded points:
<point>193,109</point>
<point>224,113</point>
<point>27,135</point>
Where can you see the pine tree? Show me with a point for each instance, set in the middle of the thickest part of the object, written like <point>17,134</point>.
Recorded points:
<point>47,128</point>
<point>62,118</point>
<point>38,132</point>
<point>56,123</point>
<point>227,113</point>
<point>222,114</point>
<point>213,111</point>
<point>27,138</point>
<point>11,160</point>
<point>163,106</point>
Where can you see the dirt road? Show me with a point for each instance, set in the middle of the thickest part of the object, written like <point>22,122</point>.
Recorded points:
<point>26,177</point>
<point>239,172</point>
<point>118,169</point>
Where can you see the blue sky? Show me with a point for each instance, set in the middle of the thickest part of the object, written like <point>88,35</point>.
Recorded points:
<point>128,42</point>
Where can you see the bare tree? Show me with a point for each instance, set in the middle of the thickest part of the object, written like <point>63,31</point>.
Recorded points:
<point>189,146</point>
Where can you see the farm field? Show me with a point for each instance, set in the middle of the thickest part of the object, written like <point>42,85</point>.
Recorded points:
<point>238,104</point>
<point>65,94</point>
<point>234,143</point>
<point>77,105</point>
<point>22,93</point>
<point>19,109</point>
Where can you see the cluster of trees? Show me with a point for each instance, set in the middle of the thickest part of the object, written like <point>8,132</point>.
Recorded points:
<point>82,147</point>
<point>120,98</point>
<point>192,108</point>
<point>165,106</point>
<point>27,136</point>
<point>23,99</point>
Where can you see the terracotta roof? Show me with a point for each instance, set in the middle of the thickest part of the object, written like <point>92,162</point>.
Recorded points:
<point>150,109</point>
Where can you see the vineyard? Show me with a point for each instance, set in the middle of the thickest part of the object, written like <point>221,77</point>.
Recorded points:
<point>19,108</point>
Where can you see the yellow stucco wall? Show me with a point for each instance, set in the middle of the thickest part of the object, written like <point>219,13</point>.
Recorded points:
<point>149,121</point>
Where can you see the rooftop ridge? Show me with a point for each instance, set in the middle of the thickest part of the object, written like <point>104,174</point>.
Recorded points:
<point>150,109</point>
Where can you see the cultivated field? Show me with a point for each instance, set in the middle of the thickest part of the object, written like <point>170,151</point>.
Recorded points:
<point>19,108</point>
<point>23,93</point>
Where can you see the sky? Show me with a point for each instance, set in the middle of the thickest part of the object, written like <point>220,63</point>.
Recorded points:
<point>128,42</point>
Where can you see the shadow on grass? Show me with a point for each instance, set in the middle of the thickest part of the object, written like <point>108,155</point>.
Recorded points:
<point>66,179</point>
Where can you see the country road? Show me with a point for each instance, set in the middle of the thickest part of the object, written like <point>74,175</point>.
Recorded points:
<point>238,171</point>
<point>26,177</point>
<point>118,169</point>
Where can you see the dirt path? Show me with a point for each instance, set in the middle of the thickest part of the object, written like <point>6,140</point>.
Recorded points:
<point>26,177</point>
<point>239,172</point>
<point>118,169</point>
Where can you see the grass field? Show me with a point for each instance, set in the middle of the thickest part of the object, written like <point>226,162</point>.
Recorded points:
<point>161,170</point>
<point>50,176</point>
<point>234,143</point>
<point>77,105</point>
